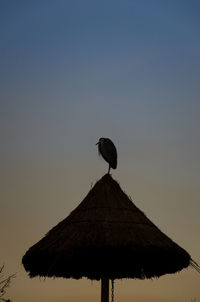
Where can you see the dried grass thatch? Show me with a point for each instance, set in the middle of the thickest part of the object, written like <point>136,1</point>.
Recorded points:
<point>105,236</point>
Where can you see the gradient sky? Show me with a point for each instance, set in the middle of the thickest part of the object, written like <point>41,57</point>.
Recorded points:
<point>74,71</point>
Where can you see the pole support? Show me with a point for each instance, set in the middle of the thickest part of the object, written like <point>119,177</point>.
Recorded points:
<point>104,290</point>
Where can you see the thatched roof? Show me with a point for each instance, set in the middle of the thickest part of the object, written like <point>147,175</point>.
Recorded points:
<point>105,236</point>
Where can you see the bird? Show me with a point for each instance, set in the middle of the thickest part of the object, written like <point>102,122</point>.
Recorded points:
<point>108,151</point>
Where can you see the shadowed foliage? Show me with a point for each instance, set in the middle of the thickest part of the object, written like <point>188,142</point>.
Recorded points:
<point>4,284</point>
<point>105,236</point>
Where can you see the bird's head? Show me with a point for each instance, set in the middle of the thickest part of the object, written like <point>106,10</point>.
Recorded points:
<point>101,140</point>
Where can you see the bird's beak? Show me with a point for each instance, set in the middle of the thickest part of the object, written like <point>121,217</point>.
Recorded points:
<point>97,143</point>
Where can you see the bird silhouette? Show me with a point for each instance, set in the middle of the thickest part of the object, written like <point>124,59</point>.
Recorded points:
<point>108,151</point>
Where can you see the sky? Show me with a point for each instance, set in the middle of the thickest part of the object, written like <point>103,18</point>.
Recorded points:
<point>70,73</point>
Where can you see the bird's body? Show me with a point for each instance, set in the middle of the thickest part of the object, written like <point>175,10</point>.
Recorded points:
<point>108,151</point>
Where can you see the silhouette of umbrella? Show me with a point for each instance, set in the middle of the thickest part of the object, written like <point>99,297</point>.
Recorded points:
<point>105,237</point>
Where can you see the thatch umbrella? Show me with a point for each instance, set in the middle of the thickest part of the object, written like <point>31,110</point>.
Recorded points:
<point>105,237</point>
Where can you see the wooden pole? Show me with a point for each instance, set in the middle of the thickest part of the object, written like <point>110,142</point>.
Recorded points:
<point>104,290</point>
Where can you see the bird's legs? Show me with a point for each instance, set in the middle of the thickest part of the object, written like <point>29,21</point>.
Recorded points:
<point>109,170</point>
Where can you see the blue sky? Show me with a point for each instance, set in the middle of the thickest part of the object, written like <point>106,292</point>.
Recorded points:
<point>89,60</point>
